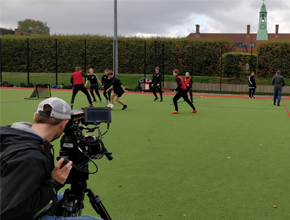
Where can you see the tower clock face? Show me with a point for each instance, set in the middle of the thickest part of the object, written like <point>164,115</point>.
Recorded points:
<point>262,26</point>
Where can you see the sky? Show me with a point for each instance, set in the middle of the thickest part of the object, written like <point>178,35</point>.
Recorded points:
<point>146,18</point>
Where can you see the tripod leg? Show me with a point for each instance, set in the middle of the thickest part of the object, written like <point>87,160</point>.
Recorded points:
<point>97,204</point>
<point>67,206</point>
<point>71,208</point>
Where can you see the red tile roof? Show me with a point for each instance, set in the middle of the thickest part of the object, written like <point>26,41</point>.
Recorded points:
<point>238,38</point>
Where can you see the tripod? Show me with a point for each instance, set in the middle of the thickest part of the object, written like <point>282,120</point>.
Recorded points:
<point>74,197</point>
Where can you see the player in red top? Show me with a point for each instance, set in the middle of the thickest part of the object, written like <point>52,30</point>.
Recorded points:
<point>180,92</point>
<point>78,85</point>
<point>188,83</point>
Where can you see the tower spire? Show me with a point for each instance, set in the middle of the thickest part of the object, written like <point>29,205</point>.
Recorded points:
<point>262,30</point>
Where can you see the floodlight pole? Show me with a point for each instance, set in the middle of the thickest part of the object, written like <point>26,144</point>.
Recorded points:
<point>115,47</point>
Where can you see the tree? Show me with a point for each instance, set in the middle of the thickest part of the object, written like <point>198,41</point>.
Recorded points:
<point>33,27</point>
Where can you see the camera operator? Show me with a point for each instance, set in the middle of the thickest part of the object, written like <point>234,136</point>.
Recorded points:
<point>29,179</point>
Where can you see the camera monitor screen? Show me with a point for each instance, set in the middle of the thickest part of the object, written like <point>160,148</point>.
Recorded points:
<point>98,114</point>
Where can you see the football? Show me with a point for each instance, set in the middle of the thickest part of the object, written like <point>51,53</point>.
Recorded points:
<point>110,106</point>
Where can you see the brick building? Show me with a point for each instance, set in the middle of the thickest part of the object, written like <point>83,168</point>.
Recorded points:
<point>4,31</point>
<point>241,41</point>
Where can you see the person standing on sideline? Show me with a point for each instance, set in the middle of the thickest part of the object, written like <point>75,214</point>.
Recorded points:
<point>156,84</point>
<point>188,83</point>
<point>252,85</point>
<point>180,92</point>
<point>278,81</point>
<point>106,83</point>
<point>78,85</point>
<point>119,89</point>
<point>93,78</point>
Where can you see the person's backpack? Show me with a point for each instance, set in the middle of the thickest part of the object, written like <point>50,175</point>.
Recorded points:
<point>5,84</point>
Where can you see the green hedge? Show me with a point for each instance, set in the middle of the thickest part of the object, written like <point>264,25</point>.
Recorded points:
<point>200,57</point>
<point>274,55</point>
<point>239,64</point>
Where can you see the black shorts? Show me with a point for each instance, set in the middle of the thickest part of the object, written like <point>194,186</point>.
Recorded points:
<point>119,93</point>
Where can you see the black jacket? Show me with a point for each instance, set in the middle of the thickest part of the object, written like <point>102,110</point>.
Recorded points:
<point>252,82</point>
<point>106,81</point>
<point>93,79</point>
<point>156,78</point>
<point>26,184</point>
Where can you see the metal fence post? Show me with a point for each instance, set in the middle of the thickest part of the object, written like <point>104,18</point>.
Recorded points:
<point>85,55</point>
<point>144,58</point>
<point>281,58</point>
<point>163,63</point>
<point>0,59</point>
<point>192,59</point>
<point>155,56</point>
<point>221,73</point>
<point>56,61</point>
<point>28,60</point>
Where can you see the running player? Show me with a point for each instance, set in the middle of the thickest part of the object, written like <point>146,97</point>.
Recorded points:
<point>188,83</point>
<point>106,83</point>
<point>78,84</point>
<point>93,78</point>
<point>119,89</point>
<point>180,92</point>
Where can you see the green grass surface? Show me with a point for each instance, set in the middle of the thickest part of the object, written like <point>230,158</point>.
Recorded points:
<point>229,161</point>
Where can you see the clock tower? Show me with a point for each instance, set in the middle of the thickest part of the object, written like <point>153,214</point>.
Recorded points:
<point>262,29</point>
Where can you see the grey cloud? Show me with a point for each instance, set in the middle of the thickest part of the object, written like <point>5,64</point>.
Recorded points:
<point>158,17</point>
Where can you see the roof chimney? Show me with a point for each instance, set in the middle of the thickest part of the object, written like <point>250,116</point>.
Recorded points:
<point>277,29</point>
<point>248,29</point>
<point>197,29</point>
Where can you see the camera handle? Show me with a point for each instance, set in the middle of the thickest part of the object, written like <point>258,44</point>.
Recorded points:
<point>73,201</point>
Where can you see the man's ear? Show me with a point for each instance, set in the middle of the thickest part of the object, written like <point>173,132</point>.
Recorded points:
<point>63,124</point>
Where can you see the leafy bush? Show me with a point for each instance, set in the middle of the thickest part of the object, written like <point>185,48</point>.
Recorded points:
<point>274,55</point>
<point>136,55</point>
<point>238,64</point>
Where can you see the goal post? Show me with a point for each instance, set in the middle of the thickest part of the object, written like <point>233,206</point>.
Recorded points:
<point>40,91</point>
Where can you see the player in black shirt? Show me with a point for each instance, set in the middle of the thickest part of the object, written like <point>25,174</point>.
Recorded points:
<point>156,84</point>
<point>252,85</point>
<point>119,89</point>
<point>93,78</point>
<point>106,83</point>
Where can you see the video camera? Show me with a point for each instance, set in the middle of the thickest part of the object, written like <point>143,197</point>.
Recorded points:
<point>80,148</point>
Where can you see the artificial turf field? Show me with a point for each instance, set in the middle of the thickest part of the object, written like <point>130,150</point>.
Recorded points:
<point>228,161</point>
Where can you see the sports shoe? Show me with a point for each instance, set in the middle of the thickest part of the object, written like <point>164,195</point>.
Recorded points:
<point>250,98</point>
<point>194,111</point>
<point>155,99</point>
<point>91,106</point>
<point>94,100</point>
<point>124,107</point>
<point>161,100</point>
<point>175,112</point>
